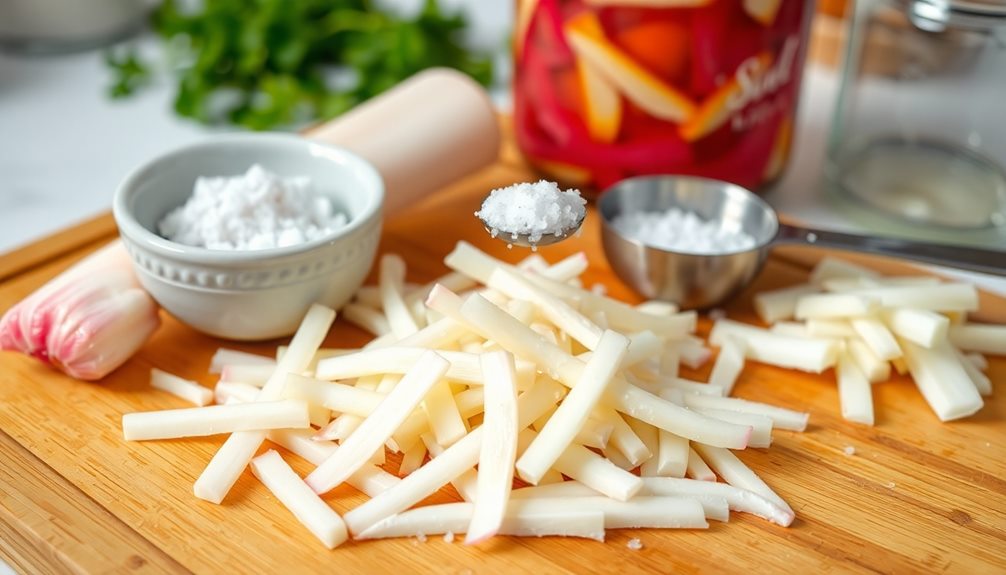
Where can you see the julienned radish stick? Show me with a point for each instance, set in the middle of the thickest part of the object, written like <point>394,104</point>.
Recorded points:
<point>455,517</point>
<point>868,361</point>
<point>781,417</point>
<point>729,364</point>
<point>563,426</point>
<point>738,499</point>
<point>876,335</point>
<point>466,483</point>
<point>855,392</point>
<point>86,321</point>
<point>672,455</point>
<point>734,472</point>
<point>493,323</point>
<point>233,456</point>
<point>499,446</point>
<point>335,396</point>
<point>835,305</point>
<point>926,328</point>
<point>392,278</point>
<point>370,479</point>
<point>940,297</point>
<point>981,381</point>
<point>305,504</point>
<point>213,419</point>
<point>660,511</point>
<point>990,339</point>
<point>638,512</point>
<point>831,268</point>
<point>704,491</point>
<point>698,469</point>
<point>454,461</point>
<point>761,425</point>
<point>941,378</point>
<point>805,354</point>
<point>443,415</point>
<point>186,389</point>
<point>554,308</point>
<point>478,265</point>
<point>775,305</point>
<point>599,473</point>
<point>370,436</point>
<point>225,356</point>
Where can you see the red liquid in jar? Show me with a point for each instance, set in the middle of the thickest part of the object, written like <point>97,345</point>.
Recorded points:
<point>698,87</point>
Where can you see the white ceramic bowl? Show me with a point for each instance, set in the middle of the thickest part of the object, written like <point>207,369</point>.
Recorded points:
<point>254,294</point>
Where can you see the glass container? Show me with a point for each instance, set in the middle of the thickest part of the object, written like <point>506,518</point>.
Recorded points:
<point>919,137</point>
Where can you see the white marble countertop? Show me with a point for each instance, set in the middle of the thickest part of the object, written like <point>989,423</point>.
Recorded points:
<point>64,146</point>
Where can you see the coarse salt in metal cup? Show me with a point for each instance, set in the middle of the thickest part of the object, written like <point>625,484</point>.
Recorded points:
<point>703,279</point>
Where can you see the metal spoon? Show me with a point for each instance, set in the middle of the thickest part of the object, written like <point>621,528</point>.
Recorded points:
<point>524,239</point>
<point>705,280</point>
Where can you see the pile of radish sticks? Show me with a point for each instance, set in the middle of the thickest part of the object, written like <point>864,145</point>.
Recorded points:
<point>493,371</point>
<point>867,327</point>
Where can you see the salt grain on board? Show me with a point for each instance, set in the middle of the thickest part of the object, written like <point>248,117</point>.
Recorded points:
<point>634,544</point>
<point>680,231</point>
<point>533,209</point>
<point>849,450</point>
<point>256,210</point>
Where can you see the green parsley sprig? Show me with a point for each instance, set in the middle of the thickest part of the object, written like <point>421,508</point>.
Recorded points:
<point>264,64</point>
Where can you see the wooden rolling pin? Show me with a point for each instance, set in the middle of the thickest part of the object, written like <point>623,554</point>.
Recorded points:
<point>429,131</point>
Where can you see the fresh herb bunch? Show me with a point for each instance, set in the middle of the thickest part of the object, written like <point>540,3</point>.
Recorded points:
<point>268,63</point>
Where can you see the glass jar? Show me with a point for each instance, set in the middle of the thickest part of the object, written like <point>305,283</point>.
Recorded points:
<point>920,130</point>
<point>607,89</point>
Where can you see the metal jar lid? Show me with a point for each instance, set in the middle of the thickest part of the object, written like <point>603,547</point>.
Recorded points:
<point>939,15</point>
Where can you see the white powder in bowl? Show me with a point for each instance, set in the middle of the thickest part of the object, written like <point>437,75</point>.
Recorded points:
<point>680,231</point>
<point>532,209</point>
<point>253,211</point>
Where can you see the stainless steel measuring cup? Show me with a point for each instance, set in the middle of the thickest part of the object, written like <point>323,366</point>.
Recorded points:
<point>703,280</point>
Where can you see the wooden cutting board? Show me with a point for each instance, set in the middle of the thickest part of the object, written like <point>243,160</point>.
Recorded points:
<point>916,496</point>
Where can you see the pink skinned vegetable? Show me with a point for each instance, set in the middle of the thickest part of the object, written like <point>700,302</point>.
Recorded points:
<point>86,321</point>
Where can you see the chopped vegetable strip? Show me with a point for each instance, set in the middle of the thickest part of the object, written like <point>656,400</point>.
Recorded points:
<point>235,454</point>
<point>562,427</point>
<point>499,452</point>
<point>214,419</point>
<point>380,425</point>
<point>186,389</point>
<point>309,509</point>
